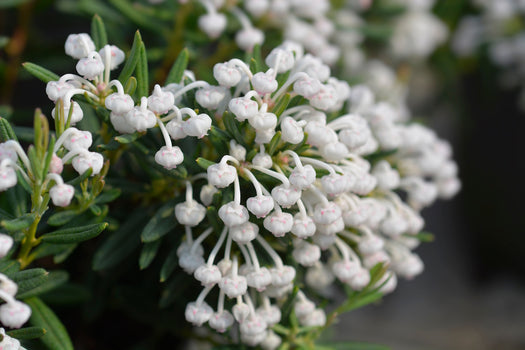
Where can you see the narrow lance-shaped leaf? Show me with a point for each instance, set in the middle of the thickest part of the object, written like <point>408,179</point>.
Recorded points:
<point>53,280</point>
<point>56,337</point>
<point>177,70</point>
<point>6,131</point>
<point>19,223</point>
<point>142,72</point>
<point>40,72</point>
<point>74,234</point>
<point>132,60</point>
<point>27,333</point>
<point>148,253</point>
<point>98,32</point>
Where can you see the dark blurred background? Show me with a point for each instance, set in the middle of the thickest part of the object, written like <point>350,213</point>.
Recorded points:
<point>472,293</point>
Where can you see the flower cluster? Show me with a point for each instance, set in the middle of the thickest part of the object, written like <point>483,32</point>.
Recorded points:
<point>498,26</point>
<point>301,175</point>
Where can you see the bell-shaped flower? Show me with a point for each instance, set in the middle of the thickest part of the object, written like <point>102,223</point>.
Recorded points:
<point>119,103</point>
<point>243,108</point>
<point>88,160</point>
<point>116,55</point>
<point>198,314</point>
<point>264,83</point>
<point>226,75</point>
<point>278,223</point>
<point>260,205</point>
<point>233,214</point>
<point>197,126</point>
<point>291,131</point>
<point>14,314</point>
<point>62,194</point>
<point>6,243</point>
<point>248,37</point>
<point>76,115</point>
<point>190,213</point>
<point>210,97</point>
<point>221,321</point>
<point>213,24</point>
<point>91,66</point>
<point>160,101</point>
<point>221,175</point>
<point>79,45</point>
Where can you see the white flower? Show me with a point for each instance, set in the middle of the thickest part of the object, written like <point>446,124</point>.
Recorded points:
<point>306,254</point>
<point>197,126</point>
<point>243,108</point>
<point>9,343</point>
<point>259,279</point>
<point>91,66</point>
<point>190,213</point>
<point>409,266</point>
<point>302,177</point>
<point>280,59</point>
<point>233,214</point>
<point>213,24</point>
<point>119,103</point>
<point>116,55</point>
<point>61,194</point>
<point>244,233</point>
<point>140,118</point>
<point>190,261</point>
<point>206,194</point>
<point>120,124</point>
<point>208,275</point>
<point>198,314</point>
<point>370,244</point>
<point>79,45</point>
<point>76,114</point>
<point>58,89</point>
<point>286,196</point>
<point>160,101</point>
<point>221,175</point>
<point>278,223</point>
<point>221,321</point>
<point>316,318</point>
<point>360,279</point>
<point>345,270</point>
<point>226,75</point>
<point>14,314</point>
<point>88,160</point>
<point>175,129</point>
<point>210,97</point>
<point>326,213</point>
<point>256,7</point>
<point>233,286</point>
<point>247,38</point>
<point>6,243</point>
<point>78,139</point>
<point>264,83</point>
<point>303,226</point>
<point>291,131</point>
<point>8,177</point>
<point>271,341</point>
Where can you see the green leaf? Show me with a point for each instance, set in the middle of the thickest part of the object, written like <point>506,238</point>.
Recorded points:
<point>98,32</point>
<point>148,253</point>
<point>137,15</point>
<point>160,224</point>
<point>40,72</point>
<point>19,223</point>
<point>423,236</point>
<point>53,280</point>
<point>27,333</point>
<point>141,71</point>
<point>132,60</point>
<point>77,180</point>
<point>120,243</point>
<point>130,86</point>
<point>274,142</point>
<point>56,337</point>
<point>6,131</point>
<point>62,217</point>
<point>204,163</point>
<point>256,63</point>
<point>281,104</point>
<point>177,70</point>
<point>233,127</point>
<point>9,267</point>
<point>74,234</point>
<point>30,281</point>
<point>127,138</point>
<point>169,265</point>
<point>108,196</point>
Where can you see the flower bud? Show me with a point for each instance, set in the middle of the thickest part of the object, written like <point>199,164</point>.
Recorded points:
<point>233,214</point>
<point>76,115</point>
<point>160,101</point>
<point>210,97</point>
<point>221,175</point>
<point>302,177</point>
<point>8,178</point>
<point>14,314</point>
<point>303,226</point>
<point>119,103</point>
<point>278,223</point>
<point>88,160</point>
<point>190,213</point>
<point>198,314</point>
<point>91,66</point>
<point>263,160</point>
<point>247,38</point>
<point>264,83</point>
<point>197,126</point>
<point>243,108</point>
<point>79,45</point>
<point>116,55</point>
<point>221,321</point>
<point>61,194</point>
<point>6,243</point>
<point>244,233</point>
<point>291,131</point>
<point>226,75</point>
<point>212,24</point>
